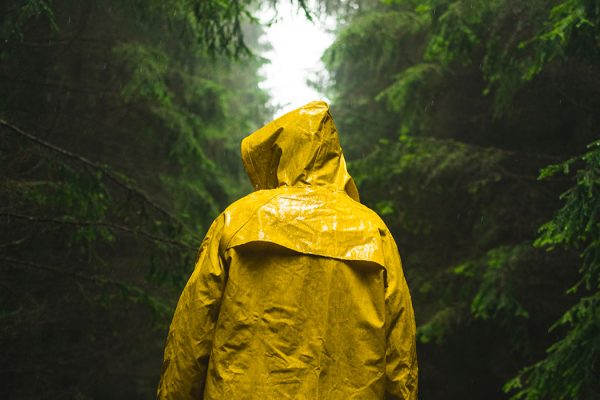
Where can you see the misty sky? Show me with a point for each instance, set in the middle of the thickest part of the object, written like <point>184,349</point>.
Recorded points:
<point>297,48</point>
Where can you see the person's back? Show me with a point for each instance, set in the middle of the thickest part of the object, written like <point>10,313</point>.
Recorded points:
<point>298,291</point>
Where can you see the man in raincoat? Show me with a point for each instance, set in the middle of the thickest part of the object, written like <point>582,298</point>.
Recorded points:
<point>298,291</point>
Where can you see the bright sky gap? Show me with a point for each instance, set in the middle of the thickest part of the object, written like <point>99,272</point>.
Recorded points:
<point>297,46</point>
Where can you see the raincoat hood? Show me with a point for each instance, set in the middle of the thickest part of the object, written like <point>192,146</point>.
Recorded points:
<point>301,148</point>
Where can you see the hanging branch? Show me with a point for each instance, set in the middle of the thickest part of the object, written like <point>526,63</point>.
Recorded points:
<point>98,167</point>
<point>96,279</point>
<point>106,224</point>
<point>89,278</point>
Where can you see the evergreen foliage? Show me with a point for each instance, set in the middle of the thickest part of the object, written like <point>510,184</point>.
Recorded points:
<point>119,128</point>
<point>453,107</point>
<point>570,368</point>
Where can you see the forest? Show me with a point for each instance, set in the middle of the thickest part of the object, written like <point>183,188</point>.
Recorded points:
<point>471,126</point>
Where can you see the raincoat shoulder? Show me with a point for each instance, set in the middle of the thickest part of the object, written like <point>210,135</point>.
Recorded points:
<point>312,221</point>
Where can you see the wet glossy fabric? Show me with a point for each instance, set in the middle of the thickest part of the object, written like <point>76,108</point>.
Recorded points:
<point>298,291</point>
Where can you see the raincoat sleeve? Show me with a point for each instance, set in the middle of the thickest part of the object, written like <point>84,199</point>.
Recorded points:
<point>190,336</point>
<point>401,354</point>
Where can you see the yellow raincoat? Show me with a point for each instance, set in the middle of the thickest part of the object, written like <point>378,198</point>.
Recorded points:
<point>298,292</point>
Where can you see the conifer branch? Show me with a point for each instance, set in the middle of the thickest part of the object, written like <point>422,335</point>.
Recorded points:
<point>106,172</point>
<point>90,278</point>
<point>105,224</point>
<point>136,291</point>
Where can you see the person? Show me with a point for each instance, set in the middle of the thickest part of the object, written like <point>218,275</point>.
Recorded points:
<point>298,291</point>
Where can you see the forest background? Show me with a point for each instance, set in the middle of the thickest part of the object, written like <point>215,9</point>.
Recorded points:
<point>471,126</point>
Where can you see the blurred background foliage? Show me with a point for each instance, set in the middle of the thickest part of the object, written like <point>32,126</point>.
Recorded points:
<point>472,127</point>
